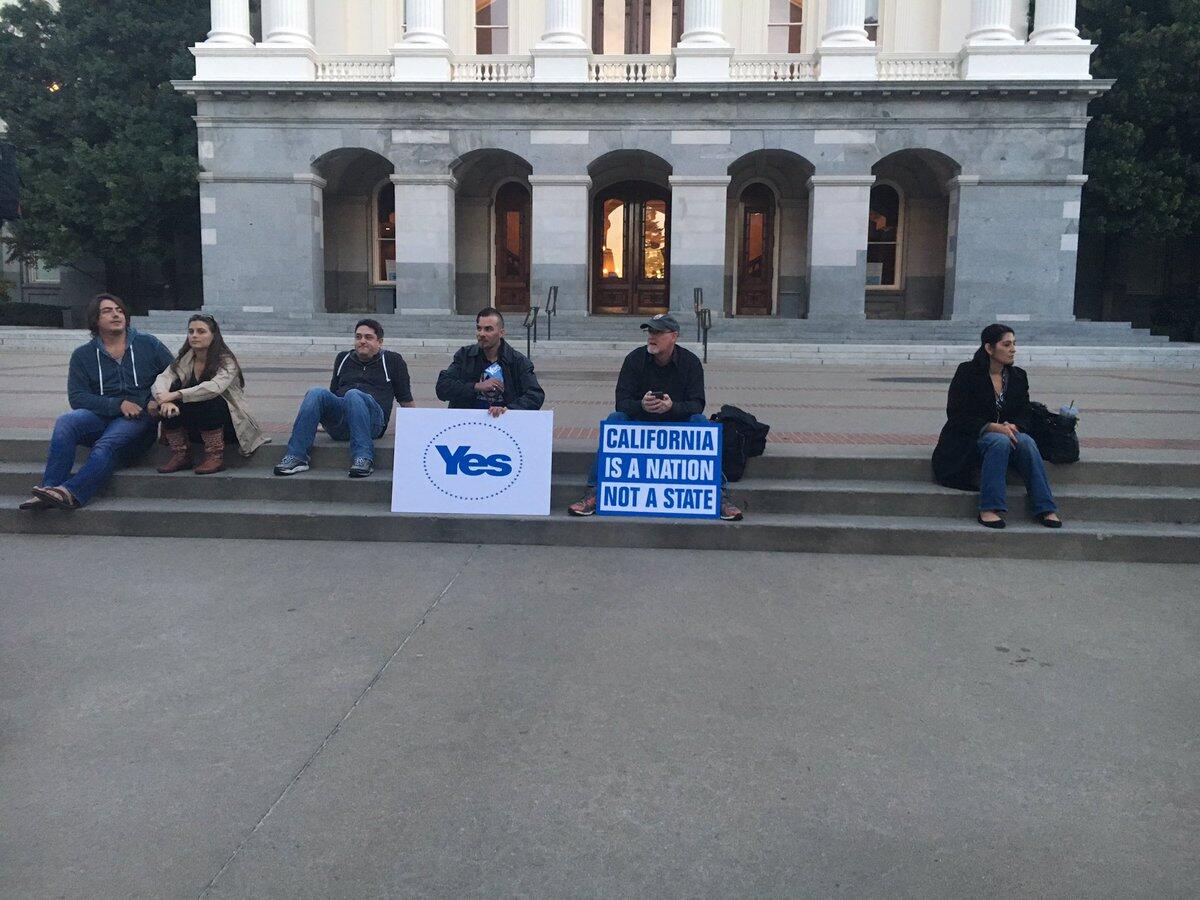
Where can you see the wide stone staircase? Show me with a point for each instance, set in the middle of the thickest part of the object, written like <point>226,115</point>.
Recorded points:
<point>746,329</point>
<point>1135,511</point>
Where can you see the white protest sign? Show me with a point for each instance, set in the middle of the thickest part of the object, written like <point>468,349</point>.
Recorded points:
<point>647,469</point>
<point>464,461</point>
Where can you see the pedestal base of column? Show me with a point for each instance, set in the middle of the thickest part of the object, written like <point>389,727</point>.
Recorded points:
<point>421,64</point>
<point>1029,62</point>
<point>847,63</point>
<point>422,311</point>
<point>702,64</point>
<point>258,63</point>
<point>560,64</point>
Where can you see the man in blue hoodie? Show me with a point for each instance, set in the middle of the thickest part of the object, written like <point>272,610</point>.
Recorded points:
<point>108,387</point>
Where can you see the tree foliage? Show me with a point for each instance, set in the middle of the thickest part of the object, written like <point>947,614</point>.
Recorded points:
<point>106,147</point>
<point>1142,154</point>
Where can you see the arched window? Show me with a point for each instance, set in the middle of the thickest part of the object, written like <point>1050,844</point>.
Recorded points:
<point>883,238</point>
<point>785,27</point>
<point>384,249</point>
<point>491,27</point>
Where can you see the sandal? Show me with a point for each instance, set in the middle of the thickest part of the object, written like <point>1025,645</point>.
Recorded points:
<point>1047,522</point>
<point>34,502</point>
<point>58,497</point>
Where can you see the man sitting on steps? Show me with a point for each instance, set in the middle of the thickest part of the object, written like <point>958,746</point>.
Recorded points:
<point>357,405</point>
<point>658,383</point>
<point>490,374</point>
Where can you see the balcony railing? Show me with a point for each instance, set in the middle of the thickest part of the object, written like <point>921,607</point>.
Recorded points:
<point>492,68</point>
<point>772,68</point>
<point>354,68</point>
<point>644,69</point>
<point>631,69</point>
<point>918,67</point>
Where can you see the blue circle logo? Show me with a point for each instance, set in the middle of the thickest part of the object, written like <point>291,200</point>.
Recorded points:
<point>473,461</point>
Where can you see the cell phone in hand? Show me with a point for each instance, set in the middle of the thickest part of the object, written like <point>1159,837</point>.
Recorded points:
<point>658,395</point>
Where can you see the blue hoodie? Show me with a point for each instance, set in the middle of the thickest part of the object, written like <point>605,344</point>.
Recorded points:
<point>99,383</point>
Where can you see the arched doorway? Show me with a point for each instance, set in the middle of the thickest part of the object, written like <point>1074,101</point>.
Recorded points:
<point>511,227</point>
<point>756,252</point>
<point>631,258</point>
<point>359,231</point>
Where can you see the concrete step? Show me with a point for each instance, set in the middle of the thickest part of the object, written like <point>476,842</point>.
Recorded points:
<point>798,496</point>
<point>781,461</point>
<point>911,536</point>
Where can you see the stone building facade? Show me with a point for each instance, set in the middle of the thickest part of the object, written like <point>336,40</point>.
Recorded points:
<point>828,159</point>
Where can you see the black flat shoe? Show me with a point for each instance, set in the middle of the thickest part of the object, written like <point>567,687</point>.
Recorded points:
<point>1048,523</point>
<point>999,523</point>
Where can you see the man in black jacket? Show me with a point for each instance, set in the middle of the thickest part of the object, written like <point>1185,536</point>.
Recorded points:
<point>660,382</point>
<point>357,405</point>
<point>490,374</point>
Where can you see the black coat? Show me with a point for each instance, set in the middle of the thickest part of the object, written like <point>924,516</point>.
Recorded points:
<point>970,406</point>
<point>456,385</point>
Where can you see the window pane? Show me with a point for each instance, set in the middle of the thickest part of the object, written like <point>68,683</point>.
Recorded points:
<point>511,264</point>
<point>885,213</point>
<point>871,22</point>
<point>881,265</point>
<point>385,230</point>
<point>654,241</point>
<point>491,12</point>
<point>786,12</point>
<point>612,261</point>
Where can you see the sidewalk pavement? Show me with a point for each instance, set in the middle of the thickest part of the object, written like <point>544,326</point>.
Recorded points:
<point>812,409</point>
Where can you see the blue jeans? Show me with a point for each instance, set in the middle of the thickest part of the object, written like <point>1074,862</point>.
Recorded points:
<point>114,442</point>
<point>615,416</point>
<point>998,454</point>
<point>355,417</point>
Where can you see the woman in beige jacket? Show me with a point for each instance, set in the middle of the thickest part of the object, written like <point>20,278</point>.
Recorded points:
<point>199,397</point>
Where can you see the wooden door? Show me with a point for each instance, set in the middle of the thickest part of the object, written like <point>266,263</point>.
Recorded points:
<point>756,253</point>
<point>631,253</point>
<point>512,226</point>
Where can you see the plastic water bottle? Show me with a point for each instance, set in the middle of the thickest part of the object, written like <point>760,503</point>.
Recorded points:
<point>494,371</point>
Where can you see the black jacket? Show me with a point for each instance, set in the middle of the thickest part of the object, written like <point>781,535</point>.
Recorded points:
<point>970,406</point>
<point>384,376</point>
<point>682,379</point>
<point>456,385</point>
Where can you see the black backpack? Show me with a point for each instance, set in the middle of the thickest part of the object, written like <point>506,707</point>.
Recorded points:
<point>1054,434</point>
<point>743,436</point>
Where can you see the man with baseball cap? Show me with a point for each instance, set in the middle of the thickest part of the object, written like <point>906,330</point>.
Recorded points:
<point>660,382</point>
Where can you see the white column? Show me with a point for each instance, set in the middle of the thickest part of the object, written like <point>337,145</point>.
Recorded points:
<point>230,23</point>
<point>424,54</point>
<point>991,23</point>
<point>426,20</point>
<point>846,53</point>
<point>844,24</point>
<point>702,54</point>
<point>1054,23</point>
<point>562,53</point>
<point>287,23</point>
<point>702,24</point>
<point>564,24</point>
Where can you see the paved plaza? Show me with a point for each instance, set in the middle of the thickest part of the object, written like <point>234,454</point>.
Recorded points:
<point>882,409</point>
<point>189,717</point>
<point>290,719</point>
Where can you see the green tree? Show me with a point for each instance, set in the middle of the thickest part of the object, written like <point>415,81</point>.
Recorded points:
<point>106,147</point>
<point>1142,143</point>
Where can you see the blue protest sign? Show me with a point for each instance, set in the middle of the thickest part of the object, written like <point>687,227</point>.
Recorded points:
<point>648,469</point>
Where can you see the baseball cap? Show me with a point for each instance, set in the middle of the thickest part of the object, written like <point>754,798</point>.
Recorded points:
<point>662,322</point>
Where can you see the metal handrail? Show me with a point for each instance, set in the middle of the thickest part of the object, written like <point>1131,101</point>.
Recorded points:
<point>551,307</point>
<point>530,323</point>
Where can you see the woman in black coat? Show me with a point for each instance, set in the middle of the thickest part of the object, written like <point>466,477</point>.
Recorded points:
<point>987,419</point>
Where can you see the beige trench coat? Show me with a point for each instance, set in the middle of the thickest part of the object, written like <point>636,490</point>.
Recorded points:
<point>223,384</point>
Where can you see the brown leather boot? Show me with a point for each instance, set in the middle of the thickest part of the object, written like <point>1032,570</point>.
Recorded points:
<point>181,457</point>
<point>214,452</point>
